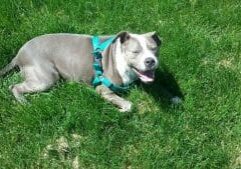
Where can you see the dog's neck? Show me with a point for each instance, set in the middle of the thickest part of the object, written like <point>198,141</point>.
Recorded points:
<point>109,65</point>
<point>115,66</point>
<point>126,73</point>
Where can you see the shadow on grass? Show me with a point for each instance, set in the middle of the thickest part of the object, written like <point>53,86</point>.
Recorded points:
<point>165,88</point>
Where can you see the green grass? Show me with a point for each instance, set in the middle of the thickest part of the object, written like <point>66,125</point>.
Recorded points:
<point>200,56</point>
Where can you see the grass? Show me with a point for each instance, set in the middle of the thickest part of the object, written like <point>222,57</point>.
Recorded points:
<point>200,58</point>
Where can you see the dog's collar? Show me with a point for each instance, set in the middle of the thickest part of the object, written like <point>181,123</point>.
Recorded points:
<point>99,78</point>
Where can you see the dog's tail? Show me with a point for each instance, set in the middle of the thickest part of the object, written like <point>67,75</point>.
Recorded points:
<point>9,67</point>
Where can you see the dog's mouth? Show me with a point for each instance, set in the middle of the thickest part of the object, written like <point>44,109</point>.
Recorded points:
<point>145,76</point>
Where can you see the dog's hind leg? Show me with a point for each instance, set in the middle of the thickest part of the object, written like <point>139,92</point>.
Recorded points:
<point>27,87</point>
<point>36,80</point>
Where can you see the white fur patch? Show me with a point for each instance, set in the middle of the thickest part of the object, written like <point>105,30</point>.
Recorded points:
<point>126,73</point>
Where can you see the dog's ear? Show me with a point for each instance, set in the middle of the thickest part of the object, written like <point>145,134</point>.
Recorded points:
<point>155,37</point>
<point>124,36</point>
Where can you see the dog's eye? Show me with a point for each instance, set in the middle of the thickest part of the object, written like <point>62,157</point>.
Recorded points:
<point>136,51</point>
<point>153,48</point>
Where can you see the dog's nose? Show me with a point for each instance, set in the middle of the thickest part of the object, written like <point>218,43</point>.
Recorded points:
<point>150,62</point>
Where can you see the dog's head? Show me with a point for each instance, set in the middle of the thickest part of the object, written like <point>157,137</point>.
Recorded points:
<point>140,53</point>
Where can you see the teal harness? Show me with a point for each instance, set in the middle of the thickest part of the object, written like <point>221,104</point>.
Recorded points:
<point>99,78</point>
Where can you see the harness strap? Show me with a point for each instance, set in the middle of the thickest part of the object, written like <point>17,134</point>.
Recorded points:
<point>97,65</point>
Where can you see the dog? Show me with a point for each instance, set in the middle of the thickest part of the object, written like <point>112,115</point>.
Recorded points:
<point>47,58</point>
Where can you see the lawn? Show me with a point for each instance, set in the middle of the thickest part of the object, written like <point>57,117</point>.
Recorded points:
<point>70,126</point>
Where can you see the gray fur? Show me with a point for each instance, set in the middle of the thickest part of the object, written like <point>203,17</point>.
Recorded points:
<point>44,59</point>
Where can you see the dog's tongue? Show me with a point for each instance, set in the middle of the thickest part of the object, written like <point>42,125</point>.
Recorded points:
<point>147,76</point>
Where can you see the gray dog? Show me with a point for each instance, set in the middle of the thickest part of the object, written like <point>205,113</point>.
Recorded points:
<point>44,59</point>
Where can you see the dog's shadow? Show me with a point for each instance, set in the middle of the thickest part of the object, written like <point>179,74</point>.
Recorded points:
<point>165,90</point>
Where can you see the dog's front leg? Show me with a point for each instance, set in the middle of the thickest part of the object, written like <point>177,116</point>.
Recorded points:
<point>106,93</point>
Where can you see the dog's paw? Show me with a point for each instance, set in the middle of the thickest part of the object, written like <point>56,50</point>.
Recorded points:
<point>22,101</point>
<point>126,107</point>
<point>19,97</point>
